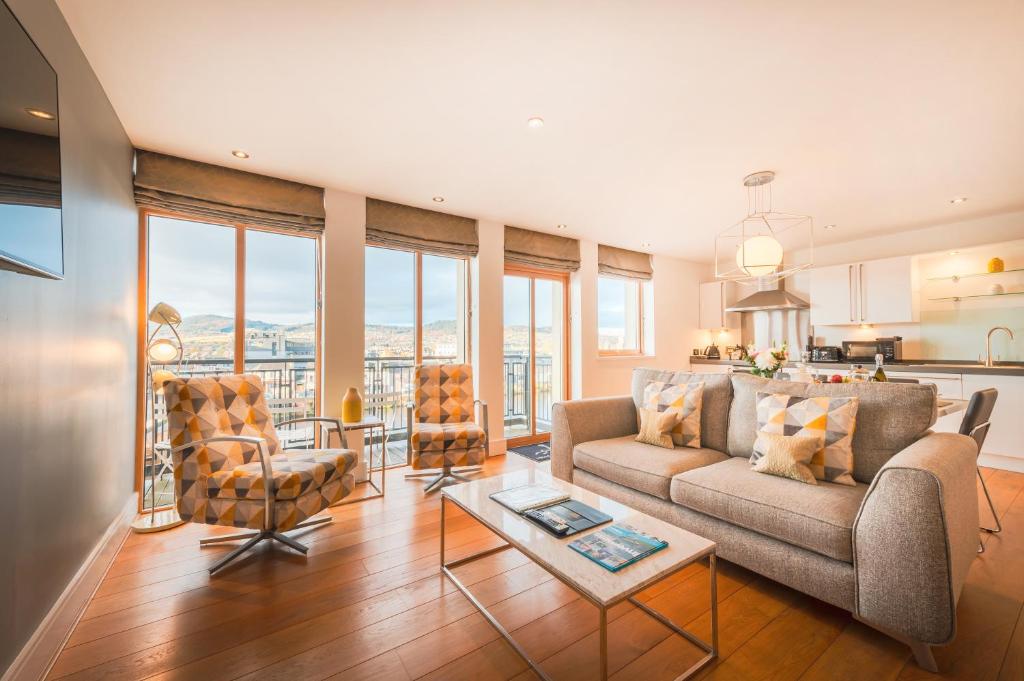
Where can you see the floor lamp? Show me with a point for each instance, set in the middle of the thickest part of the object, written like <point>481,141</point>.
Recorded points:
<point>162,352</point>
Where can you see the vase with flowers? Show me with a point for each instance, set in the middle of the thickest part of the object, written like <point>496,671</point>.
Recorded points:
<point>767,361</point>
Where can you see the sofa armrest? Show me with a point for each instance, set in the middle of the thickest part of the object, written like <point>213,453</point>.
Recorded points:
<point>576,421</point>
<point>915,537</point>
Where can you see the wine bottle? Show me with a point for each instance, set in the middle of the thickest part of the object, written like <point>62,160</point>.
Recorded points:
<point>879,372</point>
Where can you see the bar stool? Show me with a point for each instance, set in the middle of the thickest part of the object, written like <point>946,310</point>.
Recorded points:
<point>976,424</point>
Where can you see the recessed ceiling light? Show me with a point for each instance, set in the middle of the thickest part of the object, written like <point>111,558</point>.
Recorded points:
<point>959,199</point>
<point>954,252</point>
<point>829,227</point>
<point>238,153</point>
<point>559,226</point>
<point>535,122</point>
<point>39,113</point>
<point>438,199</point>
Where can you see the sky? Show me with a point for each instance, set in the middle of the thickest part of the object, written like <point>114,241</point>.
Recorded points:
<point>192,268</point>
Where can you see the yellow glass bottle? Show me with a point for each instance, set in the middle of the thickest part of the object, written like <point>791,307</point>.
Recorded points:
<point>352,407</point>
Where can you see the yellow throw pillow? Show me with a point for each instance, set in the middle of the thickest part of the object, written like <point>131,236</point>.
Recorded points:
<point>831,420</point>
<point>684,398</point>
<point>656,426</point>
<point>787,456</point>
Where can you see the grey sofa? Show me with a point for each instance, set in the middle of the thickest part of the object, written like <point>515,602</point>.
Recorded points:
<point>894,550</point>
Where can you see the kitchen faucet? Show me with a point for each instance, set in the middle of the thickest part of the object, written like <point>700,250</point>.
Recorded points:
<point>988,343</point>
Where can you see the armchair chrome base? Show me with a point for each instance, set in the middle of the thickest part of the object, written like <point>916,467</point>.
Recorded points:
<point>255,537</point>
<point>447,476</point>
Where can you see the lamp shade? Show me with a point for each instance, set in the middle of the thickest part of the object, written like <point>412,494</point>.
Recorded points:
<point>759,256</point>
<point>161,376</point>
<point>163,350</point>
<point>162,313</point>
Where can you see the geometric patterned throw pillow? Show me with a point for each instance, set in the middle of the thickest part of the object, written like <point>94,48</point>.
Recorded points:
<point>683,398</point>
<point>831,420</point>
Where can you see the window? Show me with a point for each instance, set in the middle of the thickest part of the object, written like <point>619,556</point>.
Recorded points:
<point>623,327</point>
<point>416,307</point>
<point>248,300</point>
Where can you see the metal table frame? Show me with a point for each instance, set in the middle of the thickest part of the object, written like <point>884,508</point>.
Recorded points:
<point>382,469</point>
<point>711,649</point>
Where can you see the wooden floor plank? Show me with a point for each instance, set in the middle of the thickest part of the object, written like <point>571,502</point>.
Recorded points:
<point>368,603</point>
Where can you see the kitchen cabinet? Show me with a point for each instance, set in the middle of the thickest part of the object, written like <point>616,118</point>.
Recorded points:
<point>1006,434</point>
<point>870,292</point>
<point>715,296</point>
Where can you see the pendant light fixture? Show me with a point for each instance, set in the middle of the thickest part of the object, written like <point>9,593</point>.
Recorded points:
<point>754,250</point>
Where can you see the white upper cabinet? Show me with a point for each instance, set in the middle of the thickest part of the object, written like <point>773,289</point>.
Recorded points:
<point>715,296</point>
<point>832,295</point>
<point>888,291</point>
<point>870,292</point>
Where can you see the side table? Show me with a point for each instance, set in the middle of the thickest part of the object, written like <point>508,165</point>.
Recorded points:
<point>370,425</point>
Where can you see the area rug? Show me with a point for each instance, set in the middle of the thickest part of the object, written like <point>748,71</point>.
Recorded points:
<point>538,453</point>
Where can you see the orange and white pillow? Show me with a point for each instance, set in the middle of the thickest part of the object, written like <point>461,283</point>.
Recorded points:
<point>683,398</point>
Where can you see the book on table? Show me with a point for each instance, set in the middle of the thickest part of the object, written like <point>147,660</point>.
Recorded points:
<point>617,546</point>
<point>551,509</point>
<point>529,497</point>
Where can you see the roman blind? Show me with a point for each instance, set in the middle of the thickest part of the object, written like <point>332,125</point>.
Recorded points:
<point>203,190</point>
<point>29,169</point>
<point>619,262</point>
<point>537,249</point>
<point>393,225</point>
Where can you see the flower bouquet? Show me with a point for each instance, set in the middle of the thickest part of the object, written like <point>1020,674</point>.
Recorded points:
<point>768,361</point>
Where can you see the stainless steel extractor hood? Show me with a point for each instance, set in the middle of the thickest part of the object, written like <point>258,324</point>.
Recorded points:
<point>770,296</point>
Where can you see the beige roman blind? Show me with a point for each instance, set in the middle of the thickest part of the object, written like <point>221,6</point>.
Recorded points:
<point>537,249</point>
<point>393,225</point>
<point>203,190</point>
<point>618,262</point>
<point>29,169</point>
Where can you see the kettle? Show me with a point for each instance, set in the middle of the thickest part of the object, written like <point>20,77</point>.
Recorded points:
<point>711,352</point>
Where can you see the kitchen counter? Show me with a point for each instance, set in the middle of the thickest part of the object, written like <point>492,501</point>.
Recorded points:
<point>915,366</point>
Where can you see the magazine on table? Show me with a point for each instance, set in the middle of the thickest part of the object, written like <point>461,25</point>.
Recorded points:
<point>617,546</point>
<point>529,497</point>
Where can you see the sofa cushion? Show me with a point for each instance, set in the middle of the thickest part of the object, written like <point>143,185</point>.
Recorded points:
<point>890,416</point>
<point>638,466</point>
<point>818,518</point>
<point>714,417</point>
<point>681,398</point>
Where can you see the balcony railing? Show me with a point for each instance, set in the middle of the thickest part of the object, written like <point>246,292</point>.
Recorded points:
<point>290,384</point>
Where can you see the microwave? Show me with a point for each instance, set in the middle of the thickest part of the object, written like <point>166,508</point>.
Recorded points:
<point>891,349</point>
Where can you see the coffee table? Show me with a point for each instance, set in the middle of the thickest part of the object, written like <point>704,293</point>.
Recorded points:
<point>591,581</point>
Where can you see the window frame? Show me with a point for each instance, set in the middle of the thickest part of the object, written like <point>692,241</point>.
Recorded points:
<point>143,302</point>
<point>467,351</point>
<point>641,319</point>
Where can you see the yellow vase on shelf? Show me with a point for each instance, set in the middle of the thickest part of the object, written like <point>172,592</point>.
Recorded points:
<point>352,406</point>
<point>995,265</point>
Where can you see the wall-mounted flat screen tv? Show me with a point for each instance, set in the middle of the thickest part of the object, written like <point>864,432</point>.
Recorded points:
<point>31,236</point>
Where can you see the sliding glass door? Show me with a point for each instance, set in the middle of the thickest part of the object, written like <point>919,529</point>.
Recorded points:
<point>416,307</point>
<point>249,302</point>
<point>536,352</point>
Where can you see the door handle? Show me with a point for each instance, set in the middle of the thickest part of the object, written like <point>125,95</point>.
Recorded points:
<point>850,278</point>
<point>860,289</point>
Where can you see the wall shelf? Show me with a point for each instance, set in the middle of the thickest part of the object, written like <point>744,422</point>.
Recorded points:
<point>958,277</point>
<point>979,295</point>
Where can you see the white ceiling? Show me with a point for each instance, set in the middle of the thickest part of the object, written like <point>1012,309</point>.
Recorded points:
<point>873,114</point>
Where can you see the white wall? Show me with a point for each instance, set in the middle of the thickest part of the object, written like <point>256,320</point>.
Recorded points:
<point>343,300</point>
<point>676,287</point>
<point>487,272</point>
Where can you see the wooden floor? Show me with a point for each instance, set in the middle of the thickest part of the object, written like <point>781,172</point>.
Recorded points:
<point>368,603</point>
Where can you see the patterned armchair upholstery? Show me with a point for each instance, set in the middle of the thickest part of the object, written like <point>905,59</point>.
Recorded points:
<point>230,468</point>
<point>443,429</point>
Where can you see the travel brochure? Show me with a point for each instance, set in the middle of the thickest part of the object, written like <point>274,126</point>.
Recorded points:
<point>529,497</point>
<point>617,546</point>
